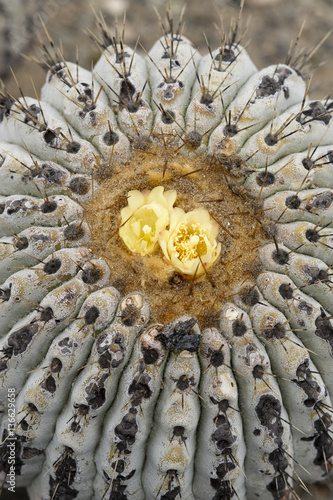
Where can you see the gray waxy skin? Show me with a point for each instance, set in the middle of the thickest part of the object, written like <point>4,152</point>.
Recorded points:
<point>268,432</point>
<point>110,404</point>
<point>33,284</point>
<point>47,388</point>
<point>220,434</point>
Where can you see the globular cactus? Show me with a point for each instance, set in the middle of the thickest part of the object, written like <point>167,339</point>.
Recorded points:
<point>166,300</point>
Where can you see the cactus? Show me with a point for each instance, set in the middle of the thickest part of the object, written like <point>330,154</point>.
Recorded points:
<point>166,298</point>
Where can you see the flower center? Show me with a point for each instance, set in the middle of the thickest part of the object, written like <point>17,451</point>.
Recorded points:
<point>144,225</point>
<point>146,229</point>
<point>189,242</point>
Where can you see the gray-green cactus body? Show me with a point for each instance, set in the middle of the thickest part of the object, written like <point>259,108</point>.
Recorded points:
<point>112,403</point>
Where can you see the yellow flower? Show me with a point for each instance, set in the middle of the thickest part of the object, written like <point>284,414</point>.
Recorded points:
<point>190,243</point>
<point>147,214</point>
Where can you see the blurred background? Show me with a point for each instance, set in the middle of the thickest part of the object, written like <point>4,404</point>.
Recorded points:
<point>271,26</point>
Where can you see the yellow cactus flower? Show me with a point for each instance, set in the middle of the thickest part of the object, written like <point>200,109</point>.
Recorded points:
<point>147,214</point>
<point>190,243</point>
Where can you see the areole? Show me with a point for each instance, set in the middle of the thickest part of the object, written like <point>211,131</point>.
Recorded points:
<point>166,299</point>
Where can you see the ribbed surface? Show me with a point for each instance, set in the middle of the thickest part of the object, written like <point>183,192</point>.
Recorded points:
<point>111,404</point>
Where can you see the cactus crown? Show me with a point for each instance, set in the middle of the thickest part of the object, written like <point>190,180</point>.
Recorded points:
<point>166,297</point>
<point>193,179</point>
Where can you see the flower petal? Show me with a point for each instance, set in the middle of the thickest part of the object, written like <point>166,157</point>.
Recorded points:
<point>190,244</point>
<point>147,214</point>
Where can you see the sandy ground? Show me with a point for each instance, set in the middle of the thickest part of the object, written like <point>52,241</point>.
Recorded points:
<point>271,27</point>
